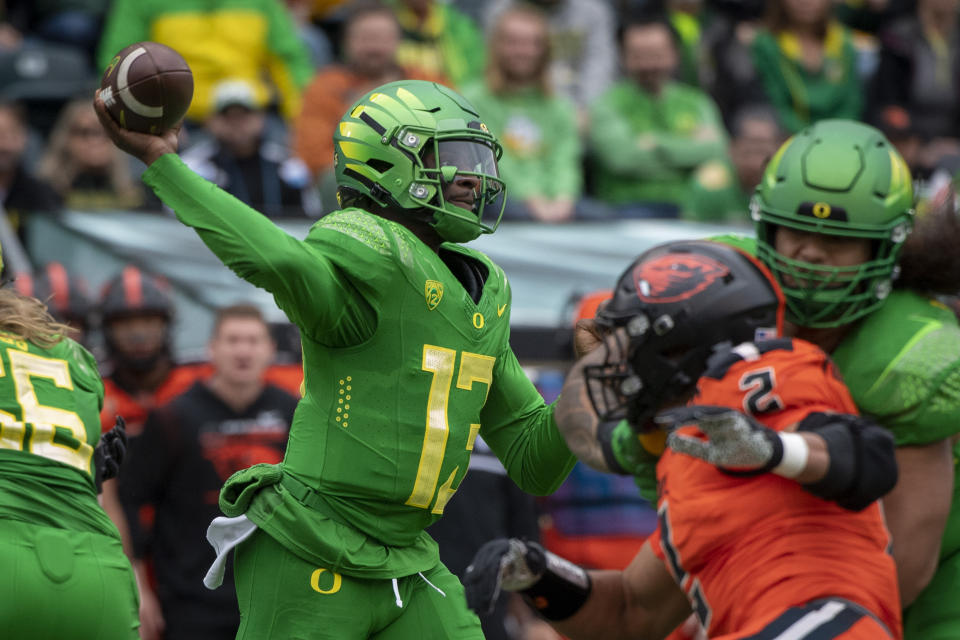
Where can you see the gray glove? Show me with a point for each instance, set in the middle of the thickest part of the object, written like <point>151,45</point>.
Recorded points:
<point>736,442</point>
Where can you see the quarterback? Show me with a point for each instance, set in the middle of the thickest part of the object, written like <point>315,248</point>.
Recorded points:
<point>406,360</point>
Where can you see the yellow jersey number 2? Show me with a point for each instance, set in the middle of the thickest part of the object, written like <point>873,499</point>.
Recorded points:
<point>442,362</point>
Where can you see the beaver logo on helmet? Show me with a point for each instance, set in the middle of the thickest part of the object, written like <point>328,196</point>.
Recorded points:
<point>675,277</point>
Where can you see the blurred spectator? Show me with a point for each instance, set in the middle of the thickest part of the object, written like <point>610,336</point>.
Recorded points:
<point>582,43</point>
<point>136,312</point>
<point>721,189</point>
<point>538,131</point>
<point>244,162</point>
<point>487,505</point>
<point>247,39</point>
<point>918,80</point>
<point>807,63</point>
<point>20,192</point>
<point>688,18</point>
<point>439,41</point>
<point>84,167</point>
<point>314,38</point>
<point>726,69</point>
<point>66,296</point>
<point>76,23</point>
<point>186,451</point>
<point>649,133</point>
<point>371,35</point>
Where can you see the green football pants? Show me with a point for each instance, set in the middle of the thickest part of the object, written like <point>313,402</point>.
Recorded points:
<point>58,583</point>
<point>282,596</point>
<point>935,614</point>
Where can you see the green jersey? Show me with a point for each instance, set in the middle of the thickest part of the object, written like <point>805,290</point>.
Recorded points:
<point>50,401</point>
<point>902,364</point>
<point>402,370</point>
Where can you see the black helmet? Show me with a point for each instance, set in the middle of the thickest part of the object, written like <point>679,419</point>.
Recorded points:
<point>66,296</point>
<point>134,292</point>
<point>679,302</point>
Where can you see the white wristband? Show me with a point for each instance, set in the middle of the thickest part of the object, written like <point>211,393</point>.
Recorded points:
<point>795,453</point>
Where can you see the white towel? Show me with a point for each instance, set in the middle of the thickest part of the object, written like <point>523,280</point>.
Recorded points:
<point>224,534</point>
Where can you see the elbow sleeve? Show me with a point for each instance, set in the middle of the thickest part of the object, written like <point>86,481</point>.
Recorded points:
<point>863,467</point>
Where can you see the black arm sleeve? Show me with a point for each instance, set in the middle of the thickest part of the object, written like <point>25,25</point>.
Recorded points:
<point>862,468</point>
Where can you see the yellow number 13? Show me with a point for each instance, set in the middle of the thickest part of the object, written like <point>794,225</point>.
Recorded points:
<point>441,362</point>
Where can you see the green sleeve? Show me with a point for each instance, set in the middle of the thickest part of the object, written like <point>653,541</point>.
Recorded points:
<point>464,47</point>
<point>126,24</point>
<point>284,43</point>
<point>635,460</point>
<point>309,288</point>
<point>563,168</point>
<point>686,152</point>
<point>521,430</point>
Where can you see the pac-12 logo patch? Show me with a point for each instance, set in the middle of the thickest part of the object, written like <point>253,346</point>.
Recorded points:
<point>433,292</point>
<point>676,277</point>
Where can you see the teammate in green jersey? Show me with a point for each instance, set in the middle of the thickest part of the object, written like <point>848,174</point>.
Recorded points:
<point>65,573</point>
<point>406,359</point>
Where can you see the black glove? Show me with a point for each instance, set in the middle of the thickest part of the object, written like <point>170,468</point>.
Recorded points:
<point>502,564</point>
<point>110,451</point>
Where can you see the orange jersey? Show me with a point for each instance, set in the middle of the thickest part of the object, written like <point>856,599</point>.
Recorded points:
<point>745,549</point>
<point>134,410</point>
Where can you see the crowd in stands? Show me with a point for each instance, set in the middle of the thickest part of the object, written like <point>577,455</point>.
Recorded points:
<point>605,108</point>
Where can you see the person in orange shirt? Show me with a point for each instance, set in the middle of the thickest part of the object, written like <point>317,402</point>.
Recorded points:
<point>371,35</point>
<point>769,525</point>
<point>136,311</point>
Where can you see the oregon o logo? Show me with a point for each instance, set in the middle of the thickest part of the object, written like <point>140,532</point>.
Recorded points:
<point>821,210</point>
<point>478,320</point>
<point>315,582</point>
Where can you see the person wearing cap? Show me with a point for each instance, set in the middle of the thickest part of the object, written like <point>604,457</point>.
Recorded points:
<point>136,313</point>
<point>242,160</point>
<point>66,296</point>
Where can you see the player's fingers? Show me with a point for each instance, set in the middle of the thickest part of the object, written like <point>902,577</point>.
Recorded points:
<point>690,446</point>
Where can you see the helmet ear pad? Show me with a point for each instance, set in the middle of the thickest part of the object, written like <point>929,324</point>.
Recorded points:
<point>677,304</point>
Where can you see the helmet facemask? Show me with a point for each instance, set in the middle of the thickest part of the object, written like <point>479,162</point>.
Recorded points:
<point>836,178</point>
<point>823,296</point>
<point>658,371</point>
<point>444,166</point>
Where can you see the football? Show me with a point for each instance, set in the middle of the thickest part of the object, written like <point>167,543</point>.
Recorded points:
<point>147,87</point>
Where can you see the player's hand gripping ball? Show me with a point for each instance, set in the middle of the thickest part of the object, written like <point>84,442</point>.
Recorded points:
<point>147,87</point>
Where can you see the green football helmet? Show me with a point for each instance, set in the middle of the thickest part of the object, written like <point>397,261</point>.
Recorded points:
<point>403,142</point>
<point>840,178</point>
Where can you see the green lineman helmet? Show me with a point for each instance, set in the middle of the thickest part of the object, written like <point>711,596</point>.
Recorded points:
<point>839,178</point>
<point>403,142</point>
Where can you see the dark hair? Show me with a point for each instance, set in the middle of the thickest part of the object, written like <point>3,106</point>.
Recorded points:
<point>750,112</point>
<point>777,19</point>
<point>648,17</point>
<point>360,9</point>
<point>244,311</point>
<point>930,262</point>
